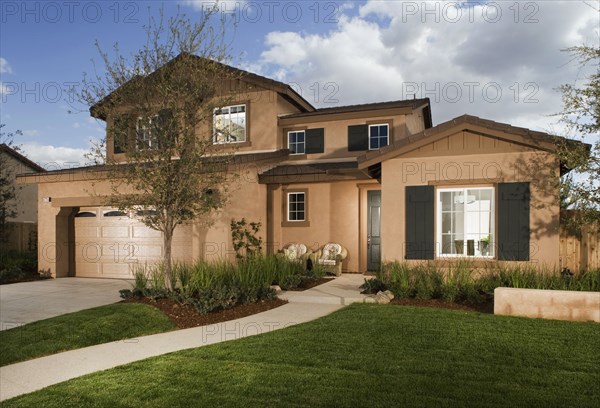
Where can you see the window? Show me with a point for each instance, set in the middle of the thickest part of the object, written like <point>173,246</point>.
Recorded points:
<point>85,214</point>
<point>115,214</point>
<point>147,132</point>
<point>296,207</point>
<point>230,124</point>
<point>296,142</point>
<point>465,222</point>
<point>378,136</point>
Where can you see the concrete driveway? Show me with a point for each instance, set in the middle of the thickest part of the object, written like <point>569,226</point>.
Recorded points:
<point>27,302</point>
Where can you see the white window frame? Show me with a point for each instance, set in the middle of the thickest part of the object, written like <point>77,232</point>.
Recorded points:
<point>147,139</point>
<point>387,125</point>
<point>288,210</point>
<point>297,144</point>
<point>492,226</point>
<point>214,136</point>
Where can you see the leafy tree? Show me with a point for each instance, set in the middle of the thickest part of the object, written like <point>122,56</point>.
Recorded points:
<point>159,104</point>
<point>8,190</point>
<point>580,189</point>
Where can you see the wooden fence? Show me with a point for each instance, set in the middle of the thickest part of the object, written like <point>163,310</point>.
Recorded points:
<point>21,237</point>
<point>580,252</point>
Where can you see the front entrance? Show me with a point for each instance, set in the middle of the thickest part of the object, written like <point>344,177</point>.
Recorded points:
<point>373,230</point>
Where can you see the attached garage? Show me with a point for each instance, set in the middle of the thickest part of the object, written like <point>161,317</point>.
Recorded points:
<point>110,243</point>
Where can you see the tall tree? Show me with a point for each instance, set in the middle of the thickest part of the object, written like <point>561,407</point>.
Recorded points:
<point>8,190</point>
<point>581,113</point>
<point>159,104</point>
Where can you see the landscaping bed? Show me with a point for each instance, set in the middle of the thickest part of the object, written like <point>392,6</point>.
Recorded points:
<point>310,283</point>
<point>186,315</point>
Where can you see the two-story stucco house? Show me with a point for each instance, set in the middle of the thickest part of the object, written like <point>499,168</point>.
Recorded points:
<point>376,178</point>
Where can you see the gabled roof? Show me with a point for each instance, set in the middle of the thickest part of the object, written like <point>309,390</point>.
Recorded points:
<point>286,91</point>
<point>523,136</point>
<point>18,156</point>
<point>409,103</point>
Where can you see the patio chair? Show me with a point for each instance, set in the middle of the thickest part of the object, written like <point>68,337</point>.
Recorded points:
<point>330,256</point>
<point>295,251</point>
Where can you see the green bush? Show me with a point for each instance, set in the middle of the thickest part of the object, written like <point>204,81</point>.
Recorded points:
<point>211,286</point>
<point>372,286</point>
<point>15,266</point>
<point>461,282</point>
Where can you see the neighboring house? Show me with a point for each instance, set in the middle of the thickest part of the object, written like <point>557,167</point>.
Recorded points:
<point>22,229</point>
<point>376,178</point>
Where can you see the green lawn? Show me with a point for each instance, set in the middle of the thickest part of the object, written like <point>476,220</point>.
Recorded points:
<point>363,355</point>
<point>81,329</point>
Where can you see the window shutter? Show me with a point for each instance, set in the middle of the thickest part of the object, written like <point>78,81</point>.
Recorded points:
<point>315,141</point>
<point>120,133</point>
<point>420,242</point>
<point>358,138</point>
<point>513,221</point>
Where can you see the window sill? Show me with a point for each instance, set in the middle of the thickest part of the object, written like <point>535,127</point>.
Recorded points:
<point>295,223</point>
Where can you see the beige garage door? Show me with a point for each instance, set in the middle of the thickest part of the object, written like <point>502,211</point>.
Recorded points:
<point>109,243</point>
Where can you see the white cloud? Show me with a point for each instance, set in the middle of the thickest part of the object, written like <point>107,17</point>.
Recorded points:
<point>390,51</point>
<point>54,157</point>
<point>5,68</point>
<point>76,125</point>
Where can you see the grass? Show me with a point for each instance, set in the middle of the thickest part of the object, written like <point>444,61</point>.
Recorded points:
<point>363,355</point>
<point>81,329</point>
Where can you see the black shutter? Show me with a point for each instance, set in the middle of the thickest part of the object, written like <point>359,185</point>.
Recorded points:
<point>513,221</point>
<point>420,243</point>
<point>315,141</point>
<point>120,133</point>
<point>358,138</point>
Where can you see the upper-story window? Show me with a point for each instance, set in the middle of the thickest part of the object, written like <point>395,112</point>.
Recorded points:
<point>146,131</point>
<point>230,124</point>
<point>378,136</point>
<point>296,142</point>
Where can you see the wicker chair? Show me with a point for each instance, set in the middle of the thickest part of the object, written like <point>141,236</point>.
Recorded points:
<point>330,256</point>
<point>295,251</point>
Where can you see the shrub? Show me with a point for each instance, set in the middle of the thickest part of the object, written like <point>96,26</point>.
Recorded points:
<point>372,286</point>
<point>460,282</point>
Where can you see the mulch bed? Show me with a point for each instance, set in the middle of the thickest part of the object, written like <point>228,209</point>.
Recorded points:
<point>445,304</point>
<point>186,316</point>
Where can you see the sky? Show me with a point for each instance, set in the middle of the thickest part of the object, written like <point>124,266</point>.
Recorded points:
<point>498,60</point>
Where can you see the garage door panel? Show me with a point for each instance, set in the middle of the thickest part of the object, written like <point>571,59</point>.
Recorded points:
<point>86,231</point>
<point>120,269</point>
<point>141,231</point>
<point>115,232</point>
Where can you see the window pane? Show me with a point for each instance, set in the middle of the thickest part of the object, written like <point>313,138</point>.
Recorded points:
<point>446,198</point>
<point>383,131</point>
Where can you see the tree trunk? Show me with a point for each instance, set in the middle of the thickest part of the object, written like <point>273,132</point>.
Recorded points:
<point>167,242</point>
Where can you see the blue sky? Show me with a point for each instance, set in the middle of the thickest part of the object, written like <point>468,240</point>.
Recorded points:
<point>498,60</point>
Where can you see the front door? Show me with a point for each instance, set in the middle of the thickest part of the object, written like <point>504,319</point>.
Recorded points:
<point>373,230</point>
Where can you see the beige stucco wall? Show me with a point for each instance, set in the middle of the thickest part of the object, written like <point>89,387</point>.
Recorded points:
<point>548,304</point>
<point>336,131</point>
<point>65,191</point>
<point>336,213</point>
<point>468,159</point>
<point>262,109</point>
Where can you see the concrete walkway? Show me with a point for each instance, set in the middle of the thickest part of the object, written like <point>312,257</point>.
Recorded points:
<point>33,375</point>
<point>26,302</point>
